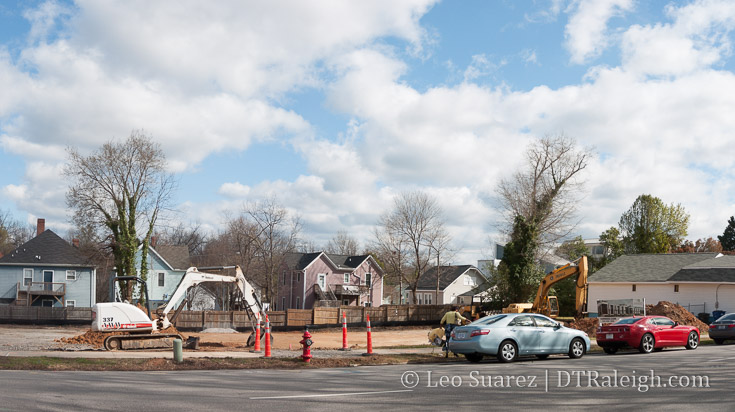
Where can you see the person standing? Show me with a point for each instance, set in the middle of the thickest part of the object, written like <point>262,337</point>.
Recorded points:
<point>450,320</point>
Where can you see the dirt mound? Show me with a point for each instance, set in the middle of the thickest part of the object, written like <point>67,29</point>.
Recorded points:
<point>97,339</point>
<point>677,313</point>
<point>588,325</point>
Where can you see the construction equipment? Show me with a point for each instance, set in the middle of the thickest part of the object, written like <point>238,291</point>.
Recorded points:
<point>549,305</point>
<point>138,327</point>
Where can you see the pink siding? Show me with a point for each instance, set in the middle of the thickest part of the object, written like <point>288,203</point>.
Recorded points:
<point>294,286</point>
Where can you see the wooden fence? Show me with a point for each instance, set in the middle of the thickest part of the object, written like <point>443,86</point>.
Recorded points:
<point>291,318</point>
<point>40,315</point>
<point>321,316</point>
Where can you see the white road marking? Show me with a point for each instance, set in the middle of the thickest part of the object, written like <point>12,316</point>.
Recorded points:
<point>328,394</point>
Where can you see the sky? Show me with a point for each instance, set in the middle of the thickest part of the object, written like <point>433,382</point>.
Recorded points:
<point>335,107</point>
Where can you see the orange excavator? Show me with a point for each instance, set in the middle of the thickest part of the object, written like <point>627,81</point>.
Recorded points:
<point>549,305</point>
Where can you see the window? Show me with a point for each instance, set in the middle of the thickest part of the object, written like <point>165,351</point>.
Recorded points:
<point>544,322</point>
<point>522,321</point>
<point>347,278</point>
<point>71,275</point>
<point>47,303</point>
<point>298,302</point>
<point>283,303</point>
<point>71,303</point>
<point>161,278</point>
<point>346,302</point>
<point>664,322</point>
<point>676,288</point>
<point>284,277</point>
<point>427,298</point>
<point>368,279</point>
<point>633,288</point>
<point>322,281</point>
<point>421,300</point>
<point>469,280</point>
<point>298,277</point>
<point>27,276</point>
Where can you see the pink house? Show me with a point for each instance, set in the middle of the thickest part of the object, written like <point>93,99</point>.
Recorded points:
<point>324,279</point>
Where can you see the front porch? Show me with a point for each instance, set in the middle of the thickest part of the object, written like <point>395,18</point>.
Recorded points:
<point>39,293</point>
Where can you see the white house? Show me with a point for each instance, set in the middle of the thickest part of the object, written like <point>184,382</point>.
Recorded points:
<point>454,283</point>
<point>700,282</point>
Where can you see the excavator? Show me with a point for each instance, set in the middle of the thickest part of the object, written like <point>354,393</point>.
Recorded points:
<point>549,305</point>
<point>138,329</point>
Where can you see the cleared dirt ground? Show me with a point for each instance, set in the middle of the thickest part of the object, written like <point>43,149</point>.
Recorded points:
<point>27,337</point>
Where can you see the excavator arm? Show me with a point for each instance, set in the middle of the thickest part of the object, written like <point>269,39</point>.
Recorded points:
<point>541,303</point>
<point>194,277</point>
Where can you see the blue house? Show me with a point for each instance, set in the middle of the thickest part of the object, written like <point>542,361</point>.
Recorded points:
<point>166,266</point>
<point>47,271</point>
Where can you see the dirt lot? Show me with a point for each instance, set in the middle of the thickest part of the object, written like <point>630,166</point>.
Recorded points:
<point>29,338</point>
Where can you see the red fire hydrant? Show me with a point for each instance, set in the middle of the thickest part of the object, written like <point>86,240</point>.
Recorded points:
<point>306,345</point>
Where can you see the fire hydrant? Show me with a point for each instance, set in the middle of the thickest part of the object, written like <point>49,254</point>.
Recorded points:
<point>306,343</point>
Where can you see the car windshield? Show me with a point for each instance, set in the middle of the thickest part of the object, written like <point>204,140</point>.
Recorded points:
<point>488,320</point>
<point>627,321</point>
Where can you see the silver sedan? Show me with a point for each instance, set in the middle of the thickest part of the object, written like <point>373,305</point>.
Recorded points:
<point>510,335</point>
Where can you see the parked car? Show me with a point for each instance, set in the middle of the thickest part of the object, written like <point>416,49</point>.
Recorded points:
<point>647,333</point>
<point>723,328</point>
<point>510,335</point>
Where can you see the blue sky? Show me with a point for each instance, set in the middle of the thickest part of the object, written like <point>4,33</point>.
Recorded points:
<point>335,109</point>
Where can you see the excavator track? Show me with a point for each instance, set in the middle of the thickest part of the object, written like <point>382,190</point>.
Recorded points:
<point>141,341</point>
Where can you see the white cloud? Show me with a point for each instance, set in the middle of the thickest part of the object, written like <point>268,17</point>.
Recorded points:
<point>586,32</point>
<point>697,39</point>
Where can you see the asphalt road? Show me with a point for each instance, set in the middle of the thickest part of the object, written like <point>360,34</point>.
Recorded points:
<point>703,380</point>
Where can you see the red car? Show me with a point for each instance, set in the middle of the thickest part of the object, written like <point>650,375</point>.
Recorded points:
<point>647,333</point>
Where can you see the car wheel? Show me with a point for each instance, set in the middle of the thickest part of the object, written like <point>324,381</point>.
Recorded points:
<point>719,341</point>
<point>542,357</point>
<point>576,348</point>
<point>692,340</point>
<point>648,342</point>
<point>610,351</point>
<point>473,357</point>
<point>508,351</point>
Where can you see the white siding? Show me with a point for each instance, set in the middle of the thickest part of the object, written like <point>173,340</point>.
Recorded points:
<point>698,297</point>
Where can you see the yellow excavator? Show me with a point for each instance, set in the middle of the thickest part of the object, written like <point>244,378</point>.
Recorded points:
<point>549,305</point>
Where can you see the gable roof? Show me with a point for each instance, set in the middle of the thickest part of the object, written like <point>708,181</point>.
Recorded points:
<point>46,249</point>
<point>300,261</point>
<point>648,267</point>
<point>447,275</point>
<point>177,257</point>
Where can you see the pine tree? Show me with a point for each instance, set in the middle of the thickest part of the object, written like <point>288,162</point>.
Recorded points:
<point>728,237</point>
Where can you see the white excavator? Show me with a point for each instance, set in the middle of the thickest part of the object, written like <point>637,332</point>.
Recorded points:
<point>137,330</point>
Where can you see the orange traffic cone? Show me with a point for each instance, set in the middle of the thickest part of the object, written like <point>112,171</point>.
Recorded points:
<point>369,339</point>
<point>267,337</point>
<point>256,347</point>
<point>344,332</point>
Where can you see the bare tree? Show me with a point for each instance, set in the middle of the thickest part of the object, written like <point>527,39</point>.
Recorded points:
<point>392,250</point>
<point>277,234</point>
<point>417,221</point>
<point>13,233</point>
<point>190,236</point>
<point>122,187</point>
<point>546,190</point>
<point>343,244</point>
<point>539,203</point>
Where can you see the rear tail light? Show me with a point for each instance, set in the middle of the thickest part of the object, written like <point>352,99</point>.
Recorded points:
<point>479,332</point>
<point>451,334</point>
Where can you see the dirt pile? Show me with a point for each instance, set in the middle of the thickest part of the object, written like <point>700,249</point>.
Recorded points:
<point>677,313</point>
<point>97,339</point>
<point>588,325</point>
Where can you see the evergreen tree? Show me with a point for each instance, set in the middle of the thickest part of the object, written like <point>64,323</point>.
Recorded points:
<point>728,237</point>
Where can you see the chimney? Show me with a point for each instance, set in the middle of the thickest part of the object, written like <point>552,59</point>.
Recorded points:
<point>75,242</point>
<point>154,239</point>
<point>40,226</point>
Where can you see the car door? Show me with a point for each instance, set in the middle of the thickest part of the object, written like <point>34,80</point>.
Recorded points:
<point>551,338</point>
<point>667,333</point>
<point>524,331</point>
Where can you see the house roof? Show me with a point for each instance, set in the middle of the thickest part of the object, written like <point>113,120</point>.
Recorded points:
<point>648,267</point>
<point>447,275</point>
<point>46,249</point>
<point>176,256</point>
<point>300,261</point>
